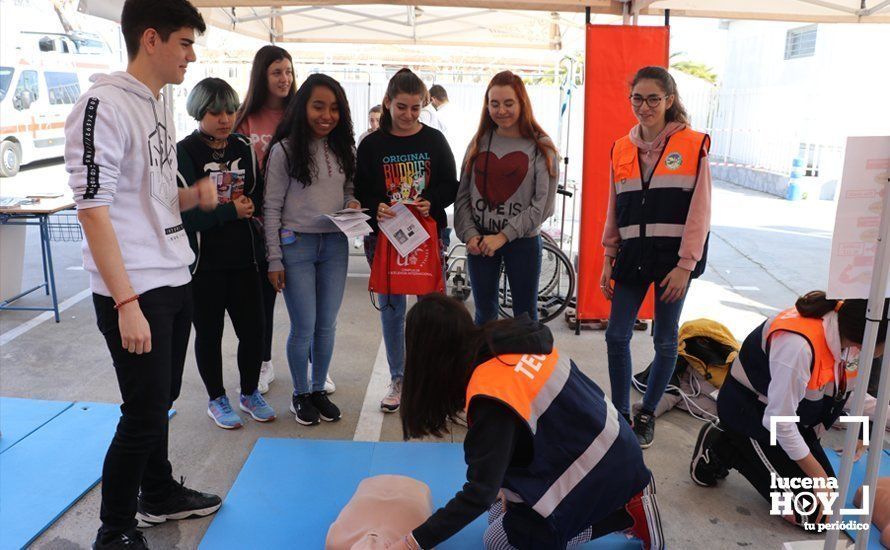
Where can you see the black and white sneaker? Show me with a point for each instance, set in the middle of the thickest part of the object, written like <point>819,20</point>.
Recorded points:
<point>129,540</point>
<point>182,503</point>
<point>327,410</point>
<point>644,428</point>
<point>705,468</point>
<point>304,411</point>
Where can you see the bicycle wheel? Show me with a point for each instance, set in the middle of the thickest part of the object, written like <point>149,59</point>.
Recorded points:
<point>556,285</point>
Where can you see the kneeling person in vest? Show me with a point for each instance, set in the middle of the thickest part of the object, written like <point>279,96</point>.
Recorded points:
<point>548,456</point>
<point>802,362</point>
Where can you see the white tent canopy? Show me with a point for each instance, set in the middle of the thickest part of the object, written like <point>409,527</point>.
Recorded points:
<point>394,24</point>
<point>819,11</point>
<point>538,24</point>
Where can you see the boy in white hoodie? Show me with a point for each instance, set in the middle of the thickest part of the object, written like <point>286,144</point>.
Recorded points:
<point>121,156</point>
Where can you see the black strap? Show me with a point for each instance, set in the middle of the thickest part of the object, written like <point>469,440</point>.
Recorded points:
<point>485,181</point>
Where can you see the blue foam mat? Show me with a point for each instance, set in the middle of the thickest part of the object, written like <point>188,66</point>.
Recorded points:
<point>856,481</point>
<point>21,417</point>
<point>48,471</point>
<point>290,491</point>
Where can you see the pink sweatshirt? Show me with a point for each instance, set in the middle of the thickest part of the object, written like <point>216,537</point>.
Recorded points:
<point>260,127</point>
<point>698,220</point>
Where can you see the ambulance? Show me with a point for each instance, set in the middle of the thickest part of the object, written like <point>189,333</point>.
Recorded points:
<point>41,77</point>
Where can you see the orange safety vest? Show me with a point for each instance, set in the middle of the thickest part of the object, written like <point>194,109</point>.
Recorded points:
<point>651,214</point>
<point>827,390</point>
<point>822,367</point>
<point>585,460</point>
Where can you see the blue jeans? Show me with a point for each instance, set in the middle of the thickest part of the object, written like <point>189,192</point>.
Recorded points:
<point>315,277</point>
<point>522,262</point>
<point>393,308</point>
<point>626,302</point>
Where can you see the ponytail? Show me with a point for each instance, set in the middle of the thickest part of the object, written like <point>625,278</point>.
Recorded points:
<point>815,304</point>
<point>403,82</point>
<point>851,314</point>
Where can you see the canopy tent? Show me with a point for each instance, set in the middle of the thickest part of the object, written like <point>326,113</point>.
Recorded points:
<point>506,24</point>
<point>483,23</point>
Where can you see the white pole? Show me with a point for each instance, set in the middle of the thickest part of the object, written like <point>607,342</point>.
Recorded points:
<point>875,309</point>
<point>874,315</point>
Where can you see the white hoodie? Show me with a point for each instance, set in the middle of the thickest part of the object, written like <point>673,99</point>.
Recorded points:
<point>120,152</point>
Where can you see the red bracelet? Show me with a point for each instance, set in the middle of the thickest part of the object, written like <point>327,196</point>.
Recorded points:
<point>127,301</point>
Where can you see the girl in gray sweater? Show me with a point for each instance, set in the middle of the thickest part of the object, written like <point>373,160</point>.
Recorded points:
<point>507,190</point>
<point>309,173</point>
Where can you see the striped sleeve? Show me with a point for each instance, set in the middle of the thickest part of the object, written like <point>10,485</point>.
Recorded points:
<point>94,150</point>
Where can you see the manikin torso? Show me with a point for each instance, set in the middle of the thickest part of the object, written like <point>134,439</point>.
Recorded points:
<point>383,509</point>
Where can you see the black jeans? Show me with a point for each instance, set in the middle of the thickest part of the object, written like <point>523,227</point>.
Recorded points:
<point>237,292</point>
<point>149,384</point>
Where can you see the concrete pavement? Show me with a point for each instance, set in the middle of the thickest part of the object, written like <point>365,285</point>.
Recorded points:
<point>764,252</point>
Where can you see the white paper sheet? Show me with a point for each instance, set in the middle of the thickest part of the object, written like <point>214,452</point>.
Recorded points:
<point>352,222</point>
<point>404,231</point>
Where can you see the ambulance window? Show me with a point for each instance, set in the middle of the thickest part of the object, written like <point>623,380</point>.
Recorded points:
<point>5,80</point>
<point>26,91</point>
<point>63,88</point>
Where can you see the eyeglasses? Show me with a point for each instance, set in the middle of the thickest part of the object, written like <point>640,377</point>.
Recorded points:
<point>652,101</point>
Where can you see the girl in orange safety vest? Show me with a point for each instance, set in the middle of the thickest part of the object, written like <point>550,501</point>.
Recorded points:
<point>802,362</point>
<point>656,232</point>
<point>541,434</point>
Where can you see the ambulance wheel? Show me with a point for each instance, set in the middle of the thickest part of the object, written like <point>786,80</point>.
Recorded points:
<point>10,158</point>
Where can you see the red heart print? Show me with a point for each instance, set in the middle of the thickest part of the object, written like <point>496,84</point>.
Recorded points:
<point>505,175</point>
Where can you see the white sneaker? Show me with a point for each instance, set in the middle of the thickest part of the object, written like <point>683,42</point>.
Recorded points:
<point>393,399</point>
<point>329,385</point>
<point>267,376</point>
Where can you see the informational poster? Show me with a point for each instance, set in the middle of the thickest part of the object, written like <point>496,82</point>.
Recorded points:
<point>864,184</point>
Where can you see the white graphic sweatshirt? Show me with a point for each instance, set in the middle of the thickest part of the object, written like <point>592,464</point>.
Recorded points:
<point>120,152</point>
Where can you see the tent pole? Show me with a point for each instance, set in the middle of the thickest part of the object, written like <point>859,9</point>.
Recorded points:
<point>587,15</point>
<point>667,18</point>
<point>874,313</point>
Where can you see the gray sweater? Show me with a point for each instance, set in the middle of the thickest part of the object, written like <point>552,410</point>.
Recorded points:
<point>515,198</point>
<point>301,208</point>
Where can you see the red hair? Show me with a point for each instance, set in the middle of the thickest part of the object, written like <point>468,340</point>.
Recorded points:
<point>528,126</point>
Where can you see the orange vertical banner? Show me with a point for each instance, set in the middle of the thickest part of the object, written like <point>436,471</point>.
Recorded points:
<point>614,54</point>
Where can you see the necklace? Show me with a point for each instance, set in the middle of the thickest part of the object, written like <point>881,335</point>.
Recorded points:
<point>218,154</point>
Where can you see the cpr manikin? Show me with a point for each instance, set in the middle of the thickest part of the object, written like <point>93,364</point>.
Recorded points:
<point>380,512</point>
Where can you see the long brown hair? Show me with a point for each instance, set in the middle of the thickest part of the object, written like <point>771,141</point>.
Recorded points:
<point>677,112</point>
<point>443,348</point>
<point>528,126</point>
<point>850,314</point>
<point>403,82</point>
<point>258,88</point>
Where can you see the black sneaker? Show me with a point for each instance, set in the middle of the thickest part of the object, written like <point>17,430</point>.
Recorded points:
<point>130,540</point>
<point>705,468</point>
<point>327,410</point>
<point>304,411</point>
<point>644,428</point>
<point>182,503</point>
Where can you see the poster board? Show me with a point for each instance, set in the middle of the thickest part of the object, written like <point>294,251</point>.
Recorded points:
<point>865,181</point>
